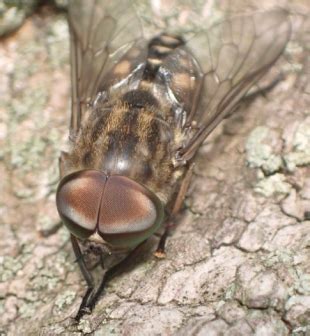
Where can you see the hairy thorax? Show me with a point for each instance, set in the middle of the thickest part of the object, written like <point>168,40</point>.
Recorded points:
<point>127,141</point>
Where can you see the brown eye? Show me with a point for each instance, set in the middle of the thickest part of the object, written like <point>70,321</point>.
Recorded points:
<point>129,212</point>
<point>122,211</point>
<point>78,201</point>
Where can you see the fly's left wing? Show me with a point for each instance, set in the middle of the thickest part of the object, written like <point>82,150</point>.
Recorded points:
<point>101,32</point>
<point>233,55</point>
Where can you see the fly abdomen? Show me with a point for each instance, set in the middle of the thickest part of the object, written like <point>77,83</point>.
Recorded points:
<point>140,98</point>
<point>158,49</point>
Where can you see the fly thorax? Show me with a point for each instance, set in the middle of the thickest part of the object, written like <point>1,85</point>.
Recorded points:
<point>138,146</point>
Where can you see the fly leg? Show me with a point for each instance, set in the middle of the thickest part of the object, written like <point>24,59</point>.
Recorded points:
<point>110,273</point>
<point>160,251</point>
<point>87,276</point>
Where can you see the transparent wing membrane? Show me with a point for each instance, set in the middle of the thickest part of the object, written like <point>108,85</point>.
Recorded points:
<point>233,55</point>
<point>101,32</point>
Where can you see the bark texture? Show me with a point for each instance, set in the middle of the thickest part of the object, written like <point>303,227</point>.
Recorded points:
<point>238,262</point>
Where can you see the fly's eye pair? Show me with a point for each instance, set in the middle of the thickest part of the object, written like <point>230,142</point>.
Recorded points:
<point>123,212</point>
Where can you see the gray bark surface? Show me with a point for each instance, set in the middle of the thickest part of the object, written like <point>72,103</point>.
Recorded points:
<point>238,263</point>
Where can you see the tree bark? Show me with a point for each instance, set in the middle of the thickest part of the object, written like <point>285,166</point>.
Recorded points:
<point>237,262</point>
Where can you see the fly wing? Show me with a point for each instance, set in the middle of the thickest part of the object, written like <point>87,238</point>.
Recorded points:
<point>101,32</point>
<point>233,55</point>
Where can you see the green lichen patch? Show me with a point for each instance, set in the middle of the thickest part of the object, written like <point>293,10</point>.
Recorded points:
<point>260,153</point>
<point>64,299</point>
<point>57,41</point>
<point>300,156</point>
<point>275,184</point>
<point>10,266</point>
<point>13,13</point>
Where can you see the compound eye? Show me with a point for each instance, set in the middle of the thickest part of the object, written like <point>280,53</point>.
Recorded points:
<point>78,201</point>
<point>129,213</point>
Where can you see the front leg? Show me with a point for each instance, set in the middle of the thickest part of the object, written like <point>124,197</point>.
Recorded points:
<point>87,276</point>
<point>110,273</point>
<point>178,202</point>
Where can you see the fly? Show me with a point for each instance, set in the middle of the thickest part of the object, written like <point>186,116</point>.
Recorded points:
<point>140,111</point>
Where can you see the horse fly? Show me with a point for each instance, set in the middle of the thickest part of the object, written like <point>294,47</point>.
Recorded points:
<point>140,111</point>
